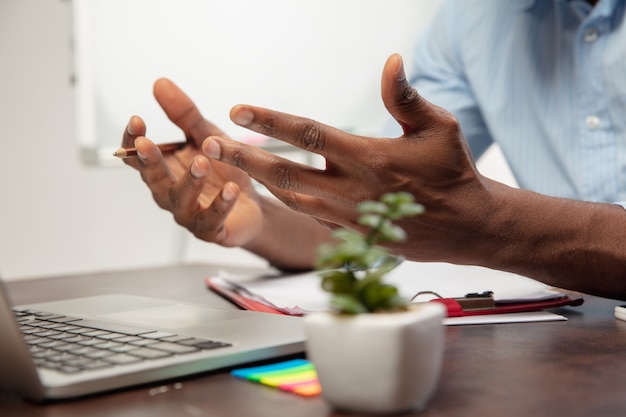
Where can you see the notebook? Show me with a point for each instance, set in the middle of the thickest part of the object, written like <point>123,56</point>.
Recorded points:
<point>75,347</point>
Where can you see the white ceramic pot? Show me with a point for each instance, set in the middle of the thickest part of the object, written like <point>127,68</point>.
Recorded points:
<point>378,363</point>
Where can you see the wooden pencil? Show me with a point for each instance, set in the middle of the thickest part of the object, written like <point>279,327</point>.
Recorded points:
<point>164,147</point>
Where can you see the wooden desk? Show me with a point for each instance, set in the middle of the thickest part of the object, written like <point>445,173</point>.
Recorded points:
<point>573,368</point>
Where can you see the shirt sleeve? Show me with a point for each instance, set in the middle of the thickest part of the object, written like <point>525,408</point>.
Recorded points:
<point>437,72</point>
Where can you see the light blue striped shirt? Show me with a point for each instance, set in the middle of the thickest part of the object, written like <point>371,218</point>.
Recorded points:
<point>544,79</point>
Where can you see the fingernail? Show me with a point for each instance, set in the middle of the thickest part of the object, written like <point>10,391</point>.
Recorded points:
<point>401,75</point>
<point>228,194</point>
<point>211,148</point>
<point>129,127</point>
<point>140,155</point>
<point>195,169</point>
<point>243,117</point>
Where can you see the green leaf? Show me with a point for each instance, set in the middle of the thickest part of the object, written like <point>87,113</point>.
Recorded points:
<point>370,220</point>
<point>394,199</point>
<point>392,233</point>
<point>354,267</point>
<point>375,256</point>
<point>377,296</point>
<point>326,258</point>
<point>346,252</point>
<point>347,235</point>
<point>347,304</point>
<point>372,207</point>
<point>388,264</point>
<point>410,209</point>
<point>338,281</point>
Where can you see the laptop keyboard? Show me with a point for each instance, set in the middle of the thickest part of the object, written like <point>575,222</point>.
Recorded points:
<point>71,345</point>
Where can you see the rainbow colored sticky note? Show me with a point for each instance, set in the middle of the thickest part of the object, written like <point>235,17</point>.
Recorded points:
<point>296,375</point>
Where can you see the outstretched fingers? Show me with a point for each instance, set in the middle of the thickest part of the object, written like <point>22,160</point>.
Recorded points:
<point>301,132</point>
<point>182,111</point>
<point>274,171</point>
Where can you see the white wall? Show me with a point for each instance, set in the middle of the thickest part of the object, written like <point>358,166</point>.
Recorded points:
<point>59,216</point>
<point>320,58</point>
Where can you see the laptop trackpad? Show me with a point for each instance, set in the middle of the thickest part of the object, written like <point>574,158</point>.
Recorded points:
<point>174,316</point>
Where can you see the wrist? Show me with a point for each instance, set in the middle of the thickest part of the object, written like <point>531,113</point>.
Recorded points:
<point>288,240</point>
<point>561,242</point>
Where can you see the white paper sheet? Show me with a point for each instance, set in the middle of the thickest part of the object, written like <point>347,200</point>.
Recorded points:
<point>302,293</point>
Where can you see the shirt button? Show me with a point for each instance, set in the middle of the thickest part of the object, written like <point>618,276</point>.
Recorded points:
<point>592,122</point>
<point>591,35</point>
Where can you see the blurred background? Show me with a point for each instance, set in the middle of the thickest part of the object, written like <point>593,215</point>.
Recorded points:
<point>73,72</point>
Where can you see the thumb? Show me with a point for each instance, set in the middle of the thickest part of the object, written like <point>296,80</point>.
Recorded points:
<point>402,101</point>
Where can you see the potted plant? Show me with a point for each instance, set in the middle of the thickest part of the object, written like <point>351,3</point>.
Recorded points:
<point>374,351</point>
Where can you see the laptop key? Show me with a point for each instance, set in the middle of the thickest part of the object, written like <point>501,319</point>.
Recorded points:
<point>98,354</point>
<point>128,339</point>
<point>158,335</point>
<point>114,327</point>
<point>144,342</point>
<point>173,347</point>
<point>121,358</point>
<point>83,350</point>
<point>63,319</point>
<point>175,339</point>
<point>112,336</point>
<point>71,345</point>
<point>210,344</point>
<point>53,344</point>
<point>76,338</point>
<point>90,341</point>
<point>148,353</point>
<point>97,365</point>
<point>46,333</point>
<point>62,357</point>
<point>44,353</point>
<point>94,332</point>
<point>108,345</point>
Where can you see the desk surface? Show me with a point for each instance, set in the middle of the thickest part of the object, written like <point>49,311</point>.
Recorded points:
<point>573,368</point>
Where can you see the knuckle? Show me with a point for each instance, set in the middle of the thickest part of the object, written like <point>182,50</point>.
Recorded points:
<point>408,96</point>
<point>235,154</point>
<point>209,226</point>
<point>269,123</point>
<point>292,201</point>
<point>238,158</point>
<point>451,122</point>
<point>283,177</point>
<point>175,200</point>
<point>312,137</point>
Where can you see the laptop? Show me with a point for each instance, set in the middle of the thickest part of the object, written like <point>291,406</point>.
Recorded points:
<point>75,347</point>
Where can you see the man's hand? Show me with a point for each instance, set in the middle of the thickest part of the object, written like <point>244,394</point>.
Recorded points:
<point>431,161</point>
<point>215,201</point>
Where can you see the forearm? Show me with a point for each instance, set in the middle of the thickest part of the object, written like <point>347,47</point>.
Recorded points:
<point>565,243</point>
<point>288,239</point>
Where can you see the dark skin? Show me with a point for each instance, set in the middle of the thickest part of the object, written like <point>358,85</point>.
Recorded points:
<point>469,219</point>
<point>214,201</point>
